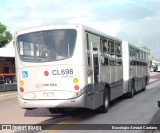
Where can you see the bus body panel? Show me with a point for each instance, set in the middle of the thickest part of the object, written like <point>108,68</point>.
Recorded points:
<point>136,65</point>
<point>59,80</point>
<point>125,55</point>
<point>79,78</point>
<point>61,103</point>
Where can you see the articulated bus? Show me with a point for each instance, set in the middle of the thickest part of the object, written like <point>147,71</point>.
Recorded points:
<point>74,66</point>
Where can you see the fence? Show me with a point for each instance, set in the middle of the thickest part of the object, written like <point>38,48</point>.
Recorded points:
<point>8,82</point>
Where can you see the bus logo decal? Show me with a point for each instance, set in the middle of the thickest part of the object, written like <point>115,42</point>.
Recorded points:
<point>25,74</point>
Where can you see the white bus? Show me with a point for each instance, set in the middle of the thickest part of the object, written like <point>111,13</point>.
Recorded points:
<point>157,67</point>
<point>65,66</point>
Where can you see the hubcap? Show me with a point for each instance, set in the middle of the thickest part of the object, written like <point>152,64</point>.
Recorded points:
<point>106,101</point>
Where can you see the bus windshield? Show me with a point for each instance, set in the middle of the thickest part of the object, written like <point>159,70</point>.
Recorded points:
<point>46,46</point>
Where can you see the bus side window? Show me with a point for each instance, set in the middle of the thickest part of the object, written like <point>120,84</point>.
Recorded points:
<point>112,48</point>
<point>118,49</point>
<point>88,51</point>
<point>112,60</point>
<point>138,54</point>
<point>104,52</point>
<point>104,45</point>
<point>118,53</point>
<point>134,53</point>
<point>144,56</point>
<point>130,52</point>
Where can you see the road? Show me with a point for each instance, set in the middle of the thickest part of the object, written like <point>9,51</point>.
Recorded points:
<point>138,110</point>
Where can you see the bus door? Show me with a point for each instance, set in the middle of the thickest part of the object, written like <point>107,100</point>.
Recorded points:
<point>95,65</point>
<point>96,73</point>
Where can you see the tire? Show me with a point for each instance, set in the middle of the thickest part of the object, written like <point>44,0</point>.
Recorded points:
<point>53,110</point>
<point>106,100</point>
<point>131,93</point>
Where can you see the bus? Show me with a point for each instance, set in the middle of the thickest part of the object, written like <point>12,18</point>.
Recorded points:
<point>75,66</point>
<point>156,67</point>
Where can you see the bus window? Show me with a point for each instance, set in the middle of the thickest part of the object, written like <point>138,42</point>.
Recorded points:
<point>104,59</point>
<point>62,42</point>
<point>130,51</point>
<point>133,53</point>
<point>142,55</point>
<point>104,45</point>
<point>104,51</point>
<point>88,53</point>
<point>138,54</point>
<point>118,49</point>
<point>112,48</point>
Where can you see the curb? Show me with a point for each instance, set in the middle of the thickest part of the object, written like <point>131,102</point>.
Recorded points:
<point>7,94</point>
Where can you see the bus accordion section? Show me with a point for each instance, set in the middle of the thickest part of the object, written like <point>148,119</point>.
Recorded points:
<point>74,66</point>
<point>136,70</point>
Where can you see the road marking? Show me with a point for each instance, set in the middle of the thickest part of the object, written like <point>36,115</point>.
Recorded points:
<point>65,124</point>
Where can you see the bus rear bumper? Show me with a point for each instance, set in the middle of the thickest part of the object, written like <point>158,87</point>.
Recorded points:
<point>80,101</point>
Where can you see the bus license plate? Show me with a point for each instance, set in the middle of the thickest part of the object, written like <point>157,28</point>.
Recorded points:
<point>48,94</point>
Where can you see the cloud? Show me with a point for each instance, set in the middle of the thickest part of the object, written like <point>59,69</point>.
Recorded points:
<point>131,20</point>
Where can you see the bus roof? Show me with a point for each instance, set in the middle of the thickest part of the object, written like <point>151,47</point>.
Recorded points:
<point>66,26</point>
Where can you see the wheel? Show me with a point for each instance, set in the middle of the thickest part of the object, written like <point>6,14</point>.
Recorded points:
<point>131,93</point>
<point>106,99</point>
<point>53,110</point>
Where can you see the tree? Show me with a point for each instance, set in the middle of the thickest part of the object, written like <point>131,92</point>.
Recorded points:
<point>5,36</point>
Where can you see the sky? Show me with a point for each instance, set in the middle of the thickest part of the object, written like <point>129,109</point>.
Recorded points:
<point>135,21</point>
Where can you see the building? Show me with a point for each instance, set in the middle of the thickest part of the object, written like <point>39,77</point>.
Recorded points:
<point>7,58</point>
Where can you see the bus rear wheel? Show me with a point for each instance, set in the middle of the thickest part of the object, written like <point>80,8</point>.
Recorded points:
<point>131,92</point>
<point>106,99</point>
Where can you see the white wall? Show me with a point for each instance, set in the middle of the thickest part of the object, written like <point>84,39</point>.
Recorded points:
<point>8,50</point>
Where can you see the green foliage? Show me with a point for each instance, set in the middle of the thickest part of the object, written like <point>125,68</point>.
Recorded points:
<point>2,28</point>
<point>5,36</point>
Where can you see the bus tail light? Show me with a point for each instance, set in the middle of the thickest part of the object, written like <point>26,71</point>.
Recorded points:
<point>75,80</point>
<point>21,83</point>
<point>46,73</point>
<point>22,89</point>
<point>76,87</point>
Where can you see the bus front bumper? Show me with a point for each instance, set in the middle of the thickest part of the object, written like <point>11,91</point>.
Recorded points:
<point>80,101</point>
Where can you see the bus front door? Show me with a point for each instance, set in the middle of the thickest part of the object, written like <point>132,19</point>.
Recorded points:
<point>96,75</point>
